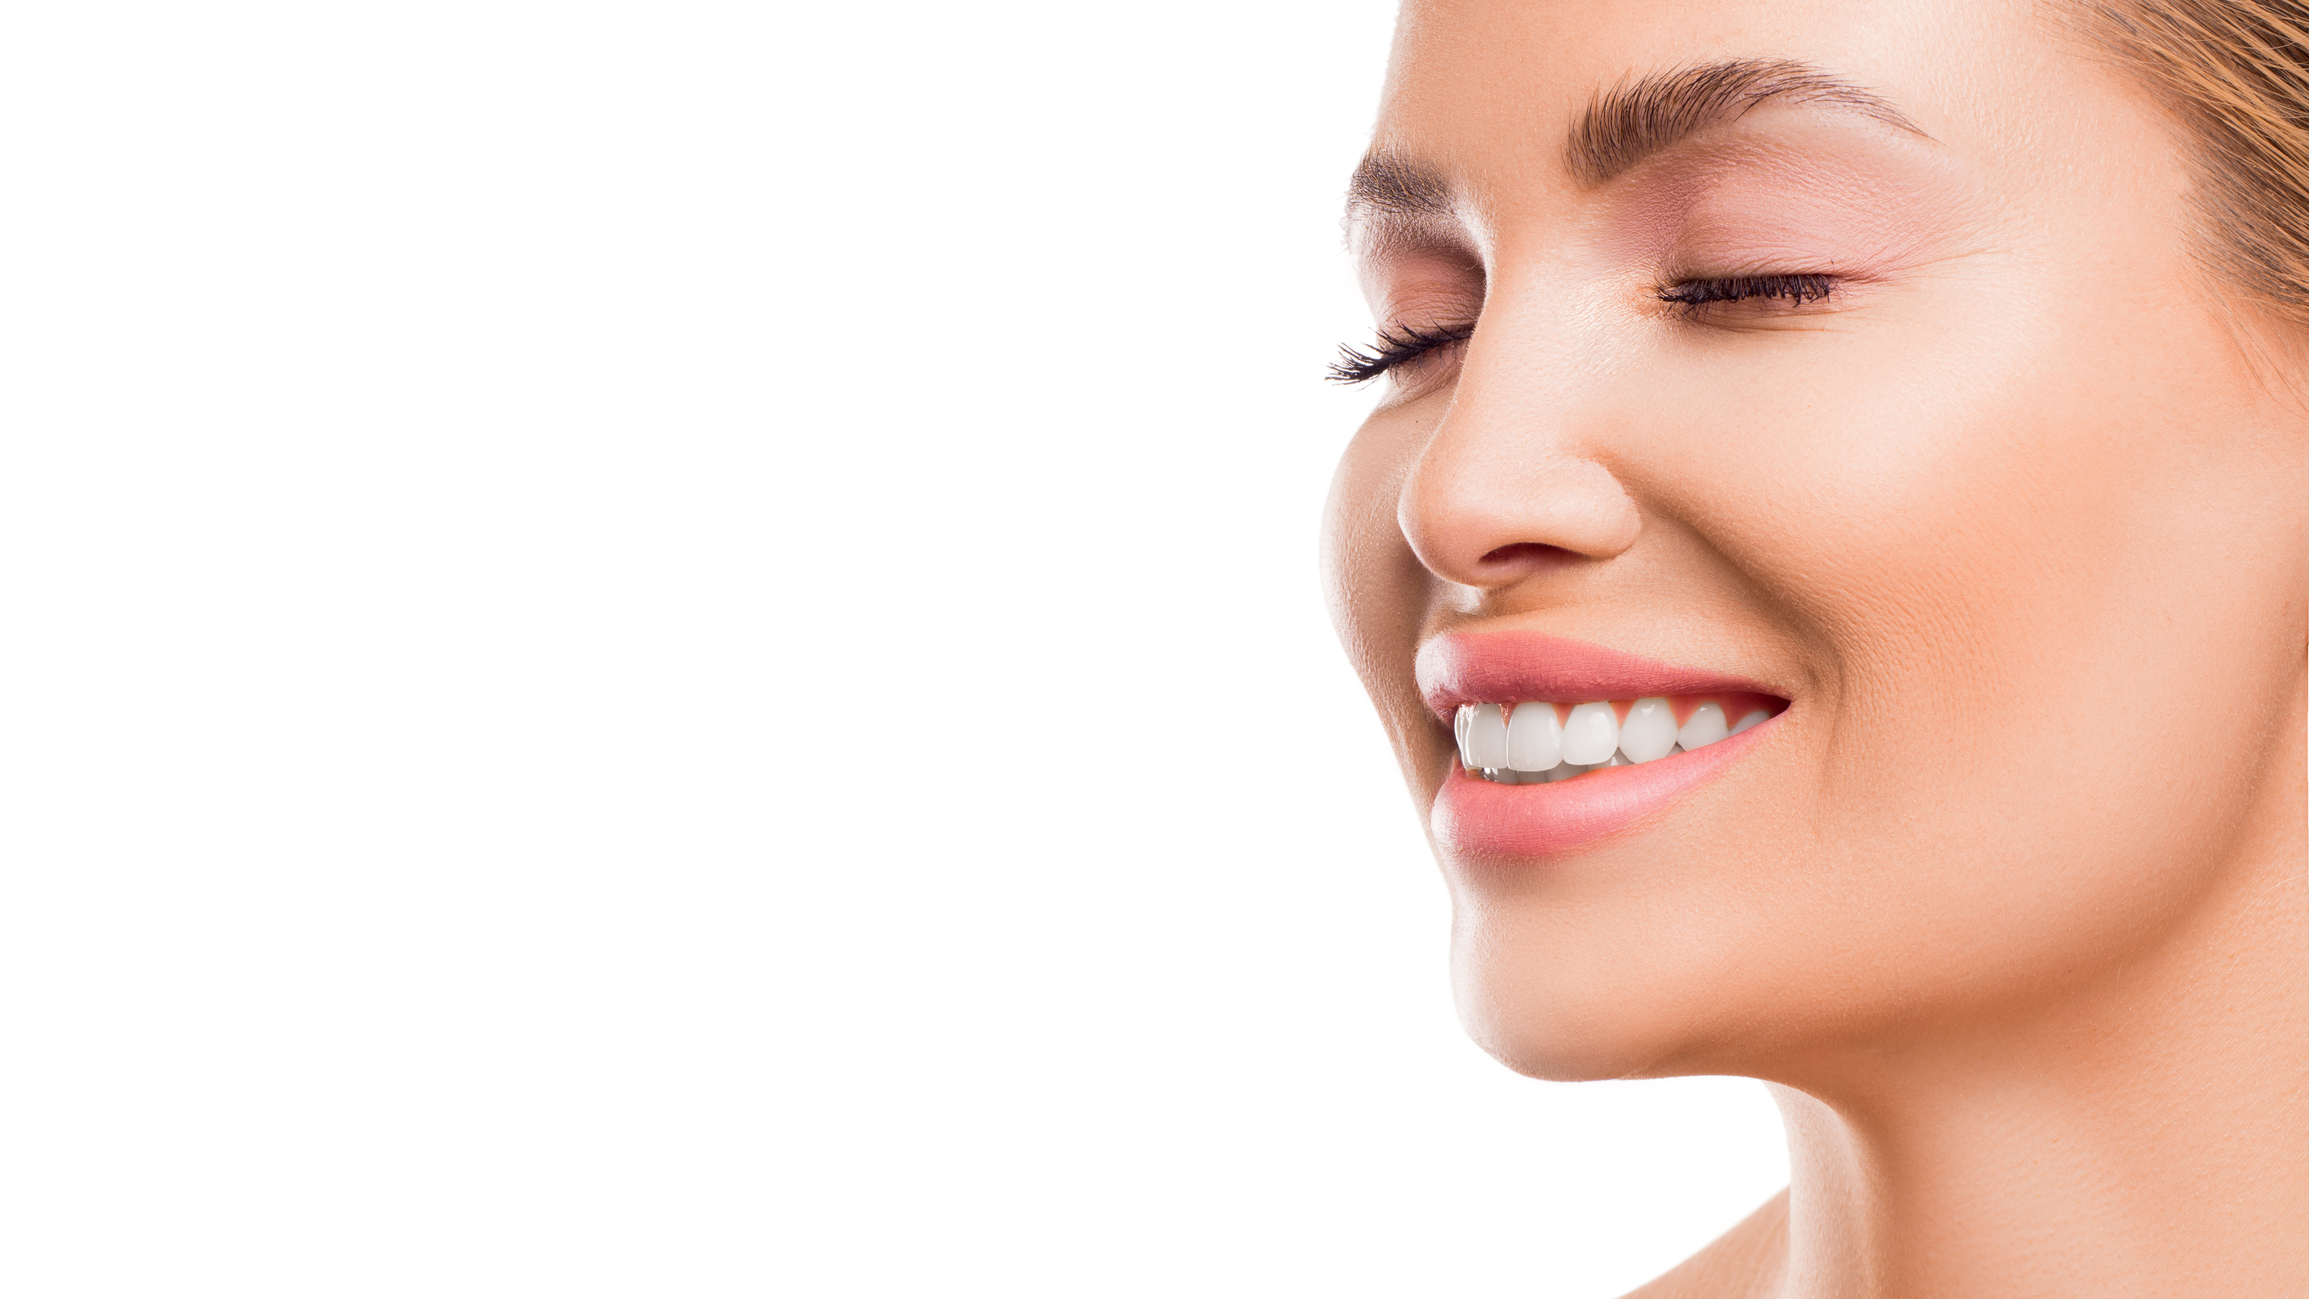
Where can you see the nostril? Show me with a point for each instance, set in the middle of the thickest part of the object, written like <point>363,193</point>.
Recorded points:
<point>1524,552</point>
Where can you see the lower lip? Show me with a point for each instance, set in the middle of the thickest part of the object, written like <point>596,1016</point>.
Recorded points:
<point>1476,817</point>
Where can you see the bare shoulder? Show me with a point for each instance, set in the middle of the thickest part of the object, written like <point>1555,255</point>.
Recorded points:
<point>1743,1263</point>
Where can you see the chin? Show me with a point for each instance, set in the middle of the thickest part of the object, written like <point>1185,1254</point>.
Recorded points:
<point>1573,1023</point>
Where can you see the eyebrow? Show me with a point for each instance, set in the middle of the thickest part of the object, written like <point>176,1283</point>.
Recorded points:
<point>1631,122</point>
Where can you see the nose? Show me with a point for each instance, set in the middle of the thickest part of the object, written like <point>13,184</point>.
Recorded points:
<point>1509,484</point>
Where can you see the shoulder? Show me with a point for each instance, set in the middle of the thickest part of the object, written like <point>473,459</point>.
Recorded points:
<point>1743,1263</point>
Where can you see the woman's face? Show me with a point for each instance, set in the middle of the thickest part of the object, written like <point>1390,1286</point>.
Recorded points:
<point>1844,361</point>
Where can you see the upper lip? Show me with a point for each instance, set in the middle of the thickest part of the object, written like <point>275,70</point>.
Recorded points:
<point>1514,666</point>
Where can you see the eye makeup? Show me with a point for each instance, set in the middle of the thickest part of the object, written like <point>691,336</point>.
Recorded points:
<point>1787,218</point>
<point>1775,223</point>
<point>1401,345</point>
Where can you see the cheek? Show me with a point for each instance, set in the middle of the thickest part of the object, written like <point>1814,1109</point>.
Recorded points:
<point>1975,518</point>
<point>1361,538</point>
<point>1375,587</point>
<point>2041,622</point>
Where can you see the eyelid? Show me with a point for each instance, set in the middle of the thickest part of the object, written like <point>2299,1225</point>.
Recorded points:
<point>1397,345</point>
<point>1795,289</point>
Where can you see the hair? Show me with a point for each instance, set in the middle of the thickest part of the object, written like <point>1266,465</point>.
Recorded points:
<point>2234,74</point>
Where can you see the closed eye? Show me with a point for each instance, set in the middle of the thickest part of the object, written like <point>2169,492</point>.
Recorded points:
<point>1795,290</point>
<point>1397,345</point>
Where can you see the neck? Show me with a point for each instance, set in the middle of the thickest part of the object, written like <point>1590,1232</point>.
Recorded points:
<point>2143,1138</point>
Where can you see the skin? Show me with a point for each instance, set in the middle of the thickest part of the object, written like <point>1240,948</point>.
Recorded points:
<point>2013,911</point>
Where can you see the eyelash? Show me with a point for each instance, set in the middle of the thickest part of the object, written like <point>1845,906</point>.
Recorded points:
<point>1400,344</point>
<point>1397,345</point>
<point>1798,289</point>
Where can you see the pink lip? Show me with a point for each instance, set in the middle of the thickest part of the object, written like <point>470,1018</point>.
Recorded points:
<point>1477,817</point>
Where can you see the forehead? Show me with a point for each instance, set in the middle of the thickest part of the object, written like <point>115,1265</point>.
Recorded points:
<point>1485,93</point>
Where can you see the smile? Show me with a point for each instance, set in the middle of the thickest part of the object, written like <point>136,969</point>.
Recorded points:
<point>1539,741</point>
<point>1597,739</point>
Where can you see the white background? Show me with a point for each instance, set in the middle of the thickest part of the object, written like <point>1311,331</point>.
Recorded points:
<point>674,649</point>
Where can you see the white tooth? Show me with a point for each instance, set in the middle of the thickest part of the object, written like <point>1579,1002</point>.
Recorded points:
<point>1459,723</point>
<point>1534,737</point>
<point>1705,727</point>
<point>1487,737</point>
<point>1565,771</point>
<point>1590,734</point>
<point>1750,720</point>
<point>1650,730</point>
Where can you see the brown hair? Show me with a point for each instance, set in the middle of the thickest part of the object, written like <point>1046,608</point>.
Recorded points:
<point>2235,75</point>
